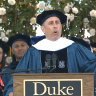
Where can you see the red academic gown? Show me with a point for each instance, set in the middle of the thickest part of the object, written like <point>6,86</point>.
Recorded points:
<point>1,87</point>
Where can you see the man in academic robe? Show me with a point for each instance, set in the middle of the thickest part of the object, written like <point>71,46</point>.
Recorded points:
<point>56,54</point>
<point>19,44</point>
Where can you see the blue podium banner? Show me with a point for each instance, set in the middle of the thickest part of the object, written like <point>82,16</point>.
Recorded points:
<point>53,87</point>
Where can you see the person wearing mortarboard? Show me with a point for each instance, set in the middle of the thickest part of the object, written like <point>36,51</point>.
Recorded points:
<point>3,50</point>
<point>62,51</point>
<point>19,44</point>
<point>55,53</point>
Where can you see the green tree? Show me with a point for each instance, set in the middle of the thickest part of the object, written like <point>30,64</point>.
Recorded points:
<point>17,17</point>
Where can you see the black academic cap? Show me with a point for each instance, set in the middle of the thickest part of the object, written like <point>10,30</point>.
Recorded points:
<point>19,37</point>
<point>93,44</point>
<point>4,46</point>
<point>81,41</point>
<point>50,13</point>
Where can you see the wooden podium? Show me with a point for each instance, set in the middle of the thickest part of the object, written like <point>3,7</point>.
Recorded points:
<point>54,84</point>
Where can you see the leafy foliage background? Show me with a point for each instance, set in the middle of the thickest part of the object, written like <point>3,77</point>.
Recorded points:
<point>17,18</point>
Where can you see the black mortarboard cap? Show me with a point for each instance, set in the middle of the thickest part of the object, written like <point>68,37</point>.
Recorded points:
<point>81,41</point>
<point>19,37</point>
<point>50,13</point>
<point>4,46</point>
